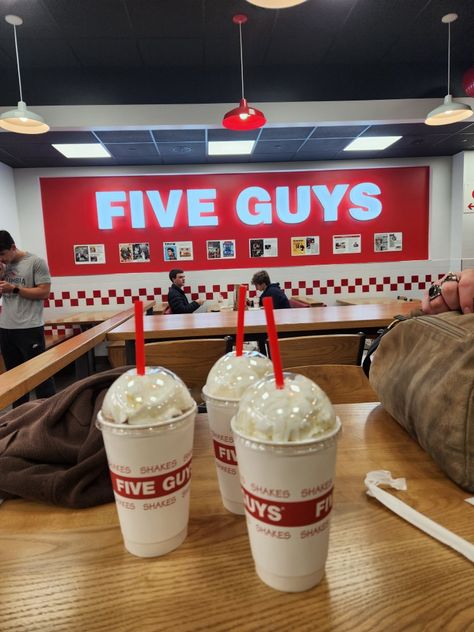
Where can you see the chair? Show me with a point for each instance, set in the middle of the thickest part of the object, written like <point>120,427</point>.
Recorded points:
<point>324,349</point>
<point>190,359</point>
<point>342,383</point>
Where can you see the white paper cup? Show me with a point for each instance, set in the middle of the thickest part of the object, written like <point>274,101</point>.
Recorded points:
<point>150,468</point>
<point>288,491</point>
<point>220,411</point>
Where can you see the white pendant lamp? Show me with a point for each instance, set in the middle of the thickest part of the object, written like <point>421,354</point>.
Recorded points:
<point>21,120</point>
<point>276,4</point>
<point>449,112</point>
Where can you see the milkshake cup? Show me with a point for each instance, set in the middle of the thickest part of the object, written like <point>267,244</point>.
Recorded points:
<point>147,423</point>
<point>226,382</point>
<point>285,442</point>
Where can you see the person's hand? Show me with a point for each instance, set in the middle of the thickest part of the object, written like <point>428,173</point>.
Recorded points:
<point>200,301</point>
<point>5,287</point>
<point>455,291</point>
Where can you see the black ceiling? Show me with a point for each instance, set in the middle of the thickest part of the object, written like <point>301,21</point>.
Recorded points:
<point>98,52</point>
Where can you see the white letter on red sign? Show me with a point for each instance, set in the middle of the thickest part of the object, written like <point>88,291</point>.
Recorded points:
<point>105,210</point>
<point>200,209</point>
<point>263,208</point>
<point>330,201</point>
<point>303,205</point>
<point>166,215</point>
<point>360,194</point>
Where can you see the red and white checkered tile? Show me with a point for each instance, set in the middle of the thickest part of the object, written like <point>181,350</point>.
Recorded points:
<point>329,287</point>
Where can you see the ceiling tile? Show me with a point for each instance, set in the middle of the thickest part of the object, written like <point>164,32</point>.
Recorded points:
<point>277,146</point>
<point>171,150</point>
<point>125,136</point>
<point>133,150</point>
<point>283,133</point>
<point>179,135</point>
<point>341,131</point>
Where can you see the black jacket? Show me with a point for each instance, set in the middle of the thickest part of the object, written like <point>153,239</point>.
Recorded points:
<point>178,302</point>
<point>280,300</point>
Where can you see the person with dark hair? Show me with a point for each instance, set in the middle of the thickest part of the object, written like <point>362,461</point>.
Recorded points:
<point>262,283</point>
<point>177,299</point>
<point>25,283</point>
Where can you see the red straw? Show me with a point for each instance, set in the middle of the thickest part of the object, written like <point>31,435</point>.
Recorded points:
<point>239,343</point>
<point>139,339</point>
<point>273,340</point>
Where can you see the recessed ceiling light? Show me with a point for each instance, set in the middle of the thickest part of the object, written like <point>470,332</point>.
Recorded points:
<point>82,150</point>
<point>371,143</point>
<point>230,147</point>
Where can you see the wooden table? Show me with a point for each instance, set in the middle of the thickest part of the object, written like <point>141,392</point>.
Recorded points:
<point>379,300</point>
<point>309,300</point>
<point>89,318</point>
<point>66,570</point>
<point>83,319</point>
<point>368,318</point>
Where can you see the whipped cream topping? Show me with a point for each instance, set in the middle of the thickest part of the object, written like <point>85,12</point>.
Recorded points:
<point>301,411</point>
<point>155,397</point>
<point>231,375</point>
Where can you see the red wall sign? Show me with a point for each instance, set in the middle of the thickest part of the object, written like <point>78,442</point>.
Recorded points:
<point>116,224</point>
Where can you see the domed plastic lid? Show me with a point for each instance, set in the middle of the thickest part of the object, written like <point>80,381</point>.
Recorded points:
<point>157,396</point>
<point>231,375</point>
<point>299,412</point>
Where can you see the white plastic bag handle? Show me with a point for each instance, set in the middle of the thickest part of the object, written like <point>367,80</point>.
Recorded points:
<point>419,520</point>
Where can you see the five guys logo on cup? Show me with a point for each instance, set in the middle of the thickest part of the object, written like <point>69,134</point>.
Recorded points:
<point>151,486</point>
<point>285,514</point>
<point>225,453</point>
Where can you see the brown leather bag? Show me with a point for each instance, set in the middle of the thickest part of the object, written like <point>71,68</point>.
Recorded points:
<point>423,372</point>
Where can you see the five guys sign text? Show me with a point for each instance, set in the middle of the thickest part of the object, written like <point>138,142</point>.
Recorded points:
<point>196,208</point>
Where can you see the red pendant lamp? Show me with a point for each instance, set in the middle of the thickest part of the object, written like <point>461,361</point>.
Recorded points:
<point>243,117</point>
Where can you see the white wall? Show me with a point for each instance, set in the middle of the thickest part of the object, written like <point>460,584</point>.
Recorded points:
<point>8,207</point>
<point>444,253</point>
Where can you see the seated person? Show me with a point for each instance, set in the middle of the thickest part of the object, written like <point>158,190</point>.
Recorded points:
<point>455,291</point>
<point>262,283</point>
<point>177,300</point>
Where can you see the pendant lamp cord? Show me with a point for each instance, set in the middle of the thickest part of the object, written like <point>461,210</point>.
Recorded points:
<point>241,61</point>
<point>18,62</point>
<point>449,57</point>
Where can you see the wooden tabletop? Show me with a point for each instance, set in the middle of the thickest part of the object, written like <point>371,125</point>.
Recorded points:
<point>88,317</point>
<point>380,300</point>
<point>66,570</point>
<point>304,321</point>
<point>83,318</point>
<point>309,300</point>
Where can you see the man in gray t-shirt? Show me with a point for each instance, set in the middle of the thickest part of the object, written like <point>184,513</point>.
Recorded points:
<point>25,283</point>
